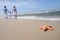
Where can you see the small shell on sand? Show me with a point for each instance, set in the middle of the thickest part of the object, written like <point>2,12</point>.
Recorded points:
<point>46,28</point>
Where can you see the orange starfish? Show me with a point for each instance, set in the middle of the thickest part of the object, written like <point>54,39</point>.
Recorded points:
<point>46,28</point>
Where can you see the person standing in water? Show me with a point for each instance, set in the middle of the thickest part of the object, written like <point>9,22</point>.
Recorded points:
<point>14,12</point>
<point>6,12</point>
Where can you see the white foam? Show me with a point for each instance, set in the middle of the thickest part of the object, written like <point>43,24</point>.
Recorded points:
<point>38,18</point>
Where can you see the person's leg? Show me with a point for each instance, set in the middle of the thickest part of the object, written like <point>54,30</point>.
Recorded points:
<point>6,16</point>
<point>15,16</point>
<point>10,15</point>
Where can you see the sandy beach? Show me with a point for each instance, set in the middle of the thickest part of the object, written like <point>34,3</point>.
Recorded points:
<point>19,29</point>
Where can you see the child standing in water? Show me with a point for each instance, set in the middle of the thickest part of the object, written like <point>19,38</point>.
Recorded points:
<point>6,12</point>
<point>14,12</point>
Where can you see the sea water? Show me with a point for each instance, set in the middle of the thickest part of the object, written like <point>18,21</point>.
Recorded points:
<point>51,16</point>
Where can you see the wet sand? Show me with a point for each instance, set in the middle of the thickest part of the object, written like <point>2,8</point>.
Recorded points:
<point>19,29</point>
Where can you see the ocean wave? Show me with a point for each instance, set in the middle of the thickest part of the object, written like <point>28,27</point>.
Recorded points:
<point>39,18</point>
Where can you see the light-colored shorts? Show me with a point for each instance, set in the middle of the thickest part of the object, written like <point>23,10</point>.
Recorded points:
<point>14,13</point>
<point>6,15</point>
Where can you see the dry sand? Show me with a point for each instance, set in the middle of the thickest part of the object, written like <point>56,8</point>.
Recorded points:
<point>18,29</point>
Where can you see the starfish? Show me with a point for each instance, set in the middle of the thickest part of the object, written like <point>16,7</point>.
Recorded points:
<point>46,28</point>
